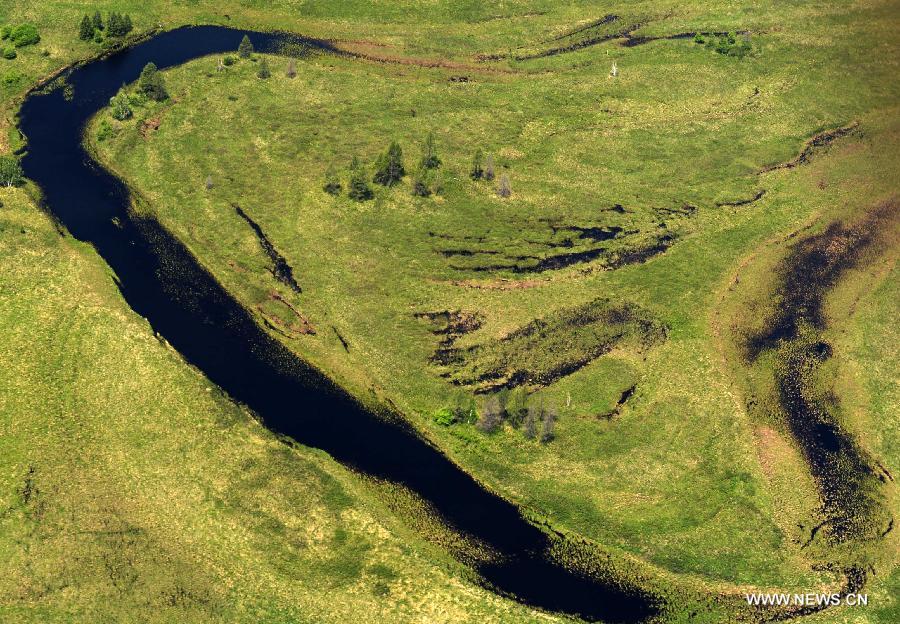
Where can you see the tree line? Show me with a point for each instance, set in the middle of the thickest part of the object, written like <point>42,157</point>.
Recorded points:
<point>93,26</point>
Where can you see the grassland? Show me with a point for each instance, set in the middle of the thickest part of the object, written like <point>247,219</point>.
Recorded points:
<point>131,490</point>
<point>686,475</point>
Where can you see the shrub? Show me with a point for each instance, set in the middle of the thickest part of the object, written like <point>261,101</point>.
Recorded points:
<point>291,71</point>
<point>444,417</point>
<point>699,38</point>
<point>504,189</point>
<point>105,131</point>
<point>389,167</point>
<point>229,61</point>
<point>121,107</point>
<point>549,424</point>
<point>151,83</point>
<point>358,188</point>
<point>5,32</point>
<point>24,35</point>
<point>332,185</point>
<point>420,186</point>
<point>491,415</point>
<point>9,53</point>
<point>477,171</point>
<point>430,158</point>
<point>10,171</point>
<point>245,49</point>
<point>263,71</point>
<point>489,169</point>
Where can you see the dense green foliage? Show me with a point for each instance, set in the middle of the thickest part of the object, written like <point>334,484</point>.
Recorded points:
<point>10,171</point>
<point>389,168</point>
<point>152,84</point>
<point>245,48</point>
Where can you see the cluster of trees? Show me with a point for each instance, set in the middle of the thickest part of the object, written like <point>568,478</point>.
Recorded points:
<point>92,27</point>
<point>729,44</point>
<point>390,171</point>
<point>10,171</point>
<point>17,37</point>
<point>514,407</point>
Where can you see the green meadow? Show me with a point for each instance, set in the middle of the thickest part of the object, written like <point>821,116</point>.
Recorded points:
<point>640,241</point>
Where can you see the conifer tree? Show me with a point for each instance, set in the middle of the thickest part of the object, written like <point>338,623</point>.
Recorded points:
<point>114,25</point>
<point>430,158</point>
<point>358,188</point>
<point>263,71</point>
<point>477,171</point>
<point>86,30</point>
<point>97,21</point>
<point>389,168</point>
<point>245,49</point>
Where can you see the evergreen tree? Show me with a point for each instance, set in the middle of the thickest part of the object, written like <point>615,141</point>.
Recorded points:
<point>489,169</point>
<point>263,71</point>
<point>389,168</point>
<point>86,30</point>
<point>430,158</point>
<point>332,185</point>
<point>477,171</point>
<point>358,187</point>
<point>114,25</point>
<point>121,107</point>
<point>126,24</point>
<point>420,183</point>
<point>97,21</point>
<point>151,83</point>
<point>245,49</point>
<point>10,171</point>
<point>504,190</point>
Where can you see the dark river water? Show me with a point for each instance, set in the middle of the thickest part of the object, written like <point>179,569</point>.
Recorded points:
<point>162,282</point>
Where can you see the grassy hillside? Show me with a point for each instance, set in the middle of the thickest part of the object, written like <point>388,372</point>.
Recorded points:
<point>648,216</point>
<point>132,490</point>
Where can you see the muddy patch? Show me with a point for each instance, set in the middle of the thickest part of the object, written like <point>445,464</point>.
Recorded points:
<point>846,476</point>
<point>547,349</point>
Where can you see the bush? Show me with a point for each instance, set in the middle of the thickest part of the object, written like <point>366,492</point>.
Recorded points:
<point>5,32</point>
<point>263,71</point>
<point>229,60</point>
<point>24,35</point>
<point>477,171</point>
<point>10,171</point>
<point>444,417</point>
<point>332,185</point>
<point>9,53</point>
<point>121,107</point>
<point>430,158</point>
<point>504,189</point>
<point>105,131</point>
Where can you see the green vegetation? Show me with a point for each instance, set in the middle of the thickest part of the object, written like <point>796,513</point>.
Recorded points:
<point>132,490</point>
<point>629,193</point>
<point>151,83</point>
<point>10,171</point>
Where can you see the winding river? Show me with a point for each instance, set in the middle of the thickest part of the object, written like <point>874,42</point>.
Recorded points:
<point>164,283</point>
